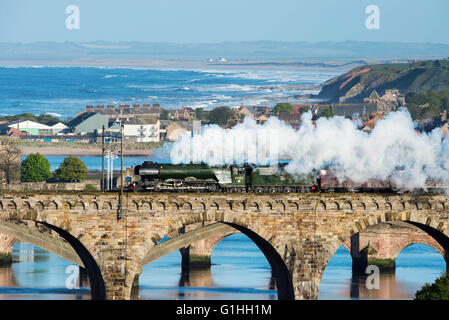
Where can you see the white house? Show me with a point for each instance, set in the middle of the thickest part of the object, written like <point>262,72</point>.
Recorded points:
<point>143,130</point>
<point>35,128</point>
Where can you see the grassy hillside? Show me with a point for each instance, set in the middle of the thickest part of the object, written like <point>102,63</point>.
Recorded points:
<point>421,76</point>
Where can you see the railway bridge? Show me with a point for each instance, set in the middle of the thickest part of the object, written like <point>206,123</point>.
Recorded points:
<point>298,233</point>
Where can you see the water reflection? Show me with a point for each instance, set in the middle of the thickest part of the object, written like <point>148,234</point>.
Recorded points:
<point>239,271</point>
<point>415,266</point>
<point>36,274</point>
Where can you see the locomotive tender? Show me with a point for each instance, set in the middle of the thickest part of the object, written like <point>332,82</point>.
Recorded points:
<point>158,177</point>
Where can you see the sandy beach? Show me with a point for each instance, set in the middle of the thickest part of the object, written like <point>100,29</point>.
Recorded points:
<point>89,152</point>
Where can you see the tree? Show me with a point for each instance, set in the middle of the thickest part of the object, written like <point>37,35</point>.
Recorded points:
<point>35,168</point>
<point>199,113</point>
<point>439,290</point>
<point>10,159</point>
<point>328,113</point>
<point>283,108</point>
<point>220,115</point>
<point>71,169</point>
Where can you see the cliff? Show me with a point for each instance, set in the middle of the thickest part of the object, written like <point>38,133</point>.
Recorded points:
<point>421,76</point>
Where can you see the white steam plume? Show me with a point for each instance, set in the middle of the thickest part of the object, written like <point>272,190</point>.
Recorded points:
<point>335,143</point>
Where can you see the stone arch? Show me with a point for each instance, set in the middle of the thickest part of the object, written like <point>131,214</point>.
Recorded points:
<point>64,244</point>
<point>187,206</point>
<point>39,205</point>
<point>11,205</point>
<point>426,206</point>
<point>279,269</point>
<point>66,205</point>
<point>26,205</point>
<point>321,205</point>
<point>388,206</point>
<point>200,205</point>
<point>268,206</point>
<point>439,206</point>
<point>400,205</point>
<point>280,205</point>
<point>134,205</point>
<point>254,206</point>
<point>214,205</point>
<point>94,205</point>
<point>241,205</point>
<point>80,206</point>
<point>52,205</point>
<point>332,205</point>
<point>160,205</point>
<point>423,221</point>
<point>96,281</point>
<point>293,205</point>
<point>106,205</point>
<point>413,205</point>
<point>173,205</point>
<point>347,205</point>
<point>360,205</point>
<point>145,205</point>
<point>439,249</point>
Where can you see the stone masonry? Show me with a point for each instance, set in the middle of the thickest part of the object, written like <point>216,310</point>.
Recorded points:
<point>298,233</point>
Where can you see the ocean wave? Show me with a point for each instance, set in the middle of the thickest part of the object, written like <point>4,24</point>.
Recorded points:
<point>53,114</point>
<point>108,76</point>
<point>228,88</point>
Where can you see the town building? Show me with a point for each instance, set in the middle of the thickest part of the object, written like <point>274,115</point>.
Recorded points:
<point>354,110</point>
<point>88,123</point>
<point>185,113</point>
<point>33,128</point>
<point>390,101</point>
<point>125,111</point>
<point>177,129</point>
<point>244,111</point>
<point>142,130</point>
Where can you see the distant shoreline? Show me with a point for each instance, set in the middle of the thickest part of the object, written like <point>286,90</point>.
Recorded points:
<point>86,152</point>
<point>341,66</point>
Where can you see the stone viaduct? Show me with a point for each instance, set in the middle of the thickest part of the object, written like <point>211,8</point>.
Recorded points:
<point>298,233</point>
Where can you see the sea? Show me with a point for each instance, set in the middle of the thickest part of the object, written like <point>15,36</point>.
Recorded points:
<point>239,269</point>
<point>65,91</point>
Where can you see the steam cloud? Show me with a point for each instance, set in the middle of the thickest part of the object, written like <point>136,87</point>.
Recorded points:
<point>393,150</point>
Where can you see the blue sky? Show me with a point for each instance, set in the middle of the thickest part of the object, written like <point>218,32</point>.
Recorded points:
<point>202,21</point>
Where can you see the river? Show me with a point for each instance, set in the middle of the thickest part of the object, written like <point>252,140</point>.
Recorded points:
<point>239,271</point>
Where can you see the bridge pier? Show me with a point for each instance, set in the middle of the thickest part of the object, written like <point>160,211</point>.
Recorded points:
<point>6,245</point>
<point>381,244</point>
<point>198,254</point>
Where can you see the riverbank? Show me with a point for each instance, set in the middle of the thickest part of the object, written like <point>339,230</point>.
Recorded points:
<point>87,152</point>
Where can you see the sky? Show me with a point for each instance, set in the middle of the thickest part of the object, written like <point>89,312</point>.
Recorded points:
<point>212,21</point>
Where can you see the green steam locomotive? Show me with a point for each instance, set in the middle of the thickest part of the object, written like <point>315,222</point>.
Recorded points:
<point>157,177</point>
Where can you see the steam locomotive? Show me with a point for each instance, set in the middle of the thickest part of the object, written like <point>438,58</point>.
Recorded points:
<point>157,177</point>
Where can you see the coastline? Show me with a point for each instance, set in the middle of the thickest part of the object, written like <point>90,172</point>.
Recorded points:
<point>87,152</point>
